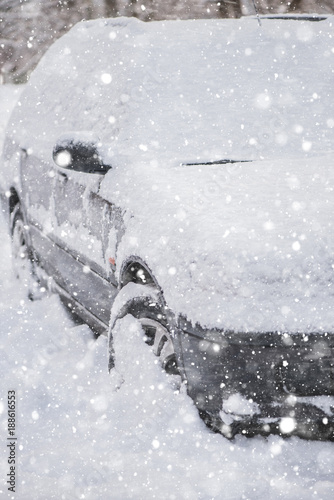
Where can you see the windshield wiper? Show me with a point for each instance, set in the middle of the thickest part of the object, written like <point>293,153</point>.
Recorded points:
<point>217,162</point>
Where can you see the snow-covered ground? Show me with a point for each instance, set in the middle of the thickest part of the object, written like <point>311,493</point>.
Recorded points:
<point>84,434</point>
<point>135,434</point>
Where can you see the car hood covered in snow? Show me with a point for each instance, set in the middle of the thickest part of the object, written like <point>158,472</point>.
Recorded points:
<point>245,247</point>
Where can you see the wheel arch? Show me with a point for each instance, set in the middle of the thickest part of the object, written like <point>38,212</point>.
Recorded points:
<point>135,270</point>
<point>9,200</point>
<point>14,204</point>
<point>13,200</point>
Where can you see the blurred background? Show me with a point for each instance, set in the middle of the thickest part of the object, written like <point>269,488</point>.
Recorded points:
<point>29,27</point>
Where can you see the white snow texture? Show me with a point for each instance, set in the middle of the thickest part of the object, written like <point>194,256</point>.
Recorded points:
<point>135,434</point>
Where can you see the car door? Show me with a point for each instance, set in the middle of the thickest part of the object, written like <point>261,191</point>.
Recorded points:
<point>85,230</point>
<point>37,185</point>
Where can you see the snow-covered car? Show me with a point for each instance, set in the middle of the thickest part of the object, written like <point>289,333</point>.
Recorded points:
<point>183,172</point>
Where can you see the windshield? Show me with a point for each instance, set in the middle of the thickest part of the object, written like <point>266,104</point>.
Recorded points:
<point>247,93</point>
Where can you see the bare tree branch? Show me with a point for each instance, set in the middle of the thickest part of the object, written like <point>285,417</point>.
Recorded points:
<point>296,5</point>
<point>230,8</point>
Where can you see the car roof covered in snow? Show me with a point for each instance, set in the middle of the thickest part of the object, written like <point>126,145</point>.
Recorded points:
<point>186,91</point>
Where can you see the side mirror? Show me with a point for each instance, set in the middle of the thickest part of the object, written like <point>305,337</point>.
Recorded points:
<point>80,154</point>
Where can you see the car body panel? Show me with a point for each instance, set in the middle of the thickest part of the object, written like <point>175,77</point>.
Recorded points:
<point>249,243</point>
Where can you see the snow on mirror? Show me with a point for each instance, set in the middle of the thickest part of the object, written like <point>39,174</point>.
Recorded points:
<point>80,152</point>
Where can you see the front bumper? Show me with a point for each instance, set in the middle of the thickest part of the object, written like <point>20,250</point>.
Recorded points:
<point>261,383</point>
<point>306,421</point>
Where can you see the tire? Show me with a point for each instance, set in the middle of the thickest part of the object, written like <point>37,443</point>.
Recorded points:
<point>158,336</point>
<point>22,256</point>
<point>146,304</point>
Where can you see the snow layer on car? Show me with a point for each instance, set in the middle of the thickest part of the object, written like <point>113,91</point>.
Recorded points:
<point>182,91</point>
<point>9,94</point>
<point>244,247</point>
